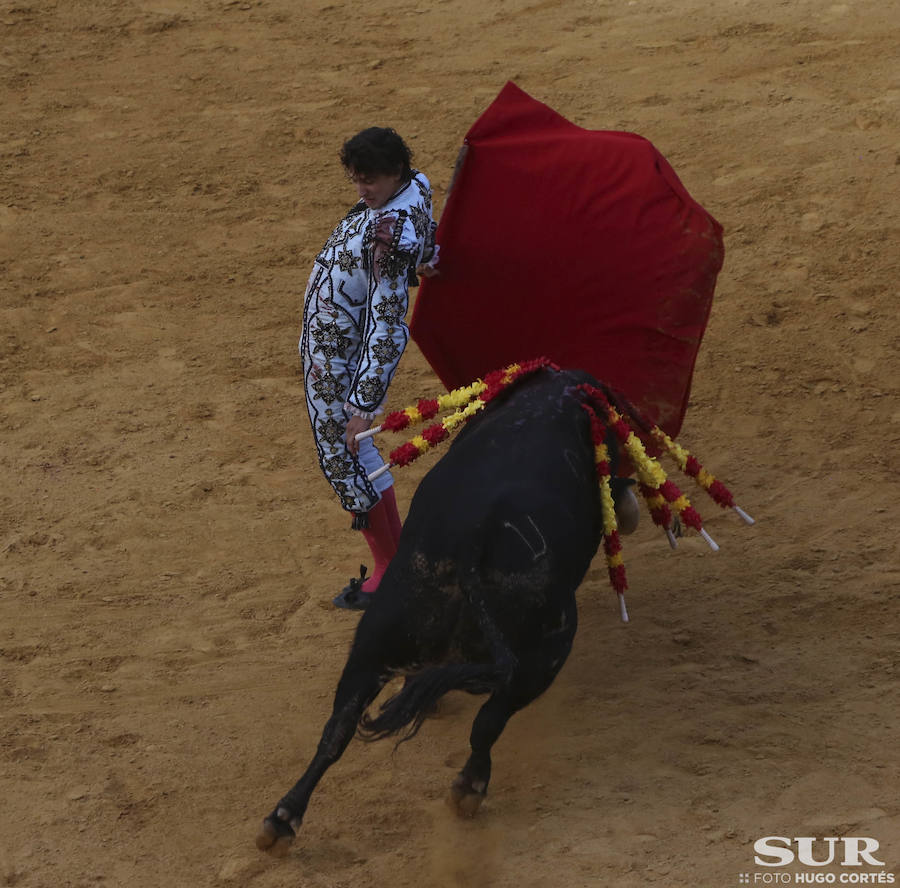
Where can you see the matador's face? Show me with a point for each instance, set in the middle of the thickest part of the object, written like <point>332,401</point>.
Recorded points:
<point>376,189</point>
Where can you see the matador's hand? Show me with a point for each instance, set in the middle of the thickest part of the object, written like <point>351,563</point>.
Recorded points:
<point>428,271</point>
<point>355,425</point>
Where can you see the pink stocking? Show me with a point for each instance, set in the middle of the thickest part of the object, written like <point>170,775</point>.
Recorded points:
<point>390,502</point>
<point>380,537</point>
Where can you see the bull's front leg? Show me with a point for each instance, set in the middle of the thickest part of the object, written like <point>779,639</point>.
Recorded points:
<point>355,692</point>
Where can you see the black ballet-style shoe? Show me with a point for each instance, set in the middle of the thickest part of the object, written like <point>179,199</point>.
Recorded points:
<point>352,596</point>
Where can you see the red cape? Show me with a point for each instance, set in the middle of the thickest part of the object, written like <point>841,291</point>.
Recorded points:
<point>582,246</point>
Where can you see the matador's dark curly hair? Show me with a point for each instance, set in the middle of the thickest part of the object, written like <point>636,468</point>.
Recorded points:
<point>377,151</point>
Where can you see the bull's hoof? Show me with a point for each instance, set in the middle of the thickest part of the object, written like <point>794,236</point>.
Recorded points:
<point>466,796</point>
<point>275,837</point>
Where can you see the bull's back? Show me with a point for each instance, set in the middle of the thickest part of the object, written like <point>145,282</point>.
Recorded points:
<point>523,467</point>
<point>507,523</point>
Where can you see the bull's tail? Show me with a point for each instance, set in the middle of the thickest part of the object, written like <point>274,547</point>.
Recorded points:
<point>410,707</point>
<point>421,692</point>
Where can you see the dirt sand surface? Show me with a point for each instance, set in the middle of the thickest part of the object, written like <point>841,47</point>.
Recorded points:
<point>169,550</point>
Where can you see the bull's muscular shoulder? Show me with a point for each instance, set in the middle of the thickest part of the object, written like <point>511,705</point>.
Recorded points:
<point>547,392</point>
<point>577,377</point>
<point>541,413</point>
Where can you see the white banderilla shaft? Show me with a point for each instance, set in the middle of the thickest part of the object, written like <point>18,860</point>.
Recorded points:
<point>368,433</point>
<point>379,472</point>
<point>746,518</point>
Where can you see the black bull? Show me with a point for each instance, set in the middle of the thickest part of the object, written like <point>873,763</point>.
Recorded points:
<point>481,593</point>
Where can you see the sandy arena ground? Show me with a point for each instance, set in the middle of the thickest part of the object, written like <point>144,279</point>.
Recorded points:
<point>169,550</point>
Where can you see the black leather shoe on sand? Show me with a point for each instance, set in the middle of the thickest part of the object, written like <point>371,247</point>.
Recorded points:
<point>352,596</point>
